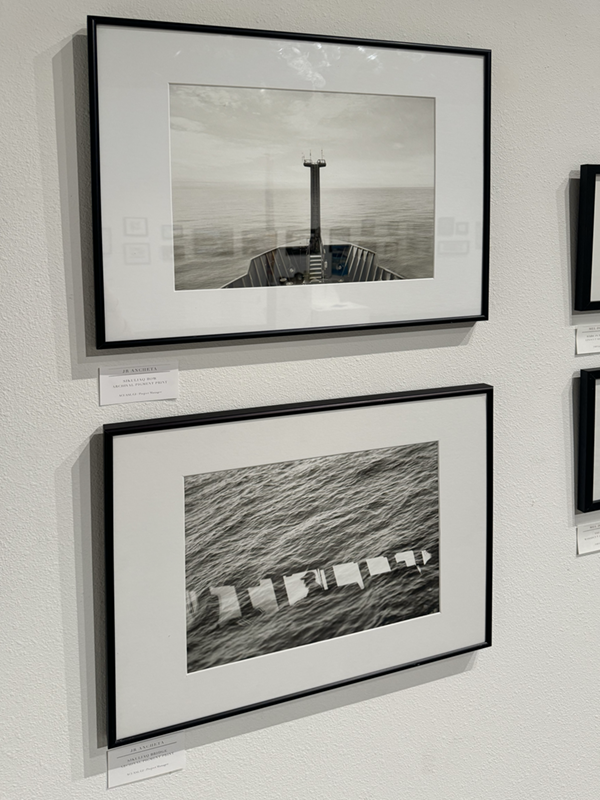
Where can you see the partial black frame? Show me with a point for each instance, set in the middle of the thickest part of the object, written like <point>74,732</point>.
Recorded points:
<point>114,430</point>
<point>587,437</point>
<point>585,238</point>
<point>94,21</point>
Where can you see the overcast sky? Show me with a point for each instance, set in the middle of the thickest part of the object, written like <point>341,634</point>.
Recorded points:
<point>258,136</point>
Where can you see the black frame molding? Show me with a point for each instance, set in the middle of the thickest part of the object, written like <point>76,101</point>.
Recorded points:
<point>587,434</point>
<point>585,238</point>
<point>127,428</point>
<point>101,343</point>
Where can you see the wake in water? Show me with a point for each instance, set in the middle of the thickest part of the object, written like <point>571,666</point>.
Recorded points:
<point>282,555</point>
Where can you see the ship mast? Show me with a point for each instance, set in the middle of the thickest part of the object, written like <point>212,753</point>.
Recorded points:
<point>315,202</point>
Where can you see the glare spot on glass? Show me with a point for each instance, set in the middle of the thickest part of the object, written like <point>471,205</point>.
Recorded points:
<point>299,61</point>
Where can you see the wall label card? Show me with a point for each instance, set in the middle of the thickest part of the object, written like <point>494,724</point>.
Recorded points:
<point>138,383</point>
<point>588,538</point>
<point>146,759</point>
<point>587,339</point>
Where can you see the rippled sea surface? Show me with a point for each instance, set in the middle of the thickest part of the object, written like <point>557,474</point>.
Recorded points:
<point>217,232</point>
<point>272,521</point>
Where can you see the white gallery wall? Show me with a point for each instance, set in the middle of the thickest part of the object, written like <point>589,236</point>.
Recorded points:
<point>519,720</point>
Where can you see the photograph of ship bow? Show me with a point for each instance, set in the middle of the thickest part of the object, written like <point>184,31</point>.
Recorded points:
<point>316,262</point>
<point>243,215</point>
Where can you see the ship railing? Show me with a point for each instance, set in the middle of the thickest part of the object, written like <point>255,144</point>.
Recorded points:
<point>276,266</point>
<point>363,267</point>
<point>266,269</point>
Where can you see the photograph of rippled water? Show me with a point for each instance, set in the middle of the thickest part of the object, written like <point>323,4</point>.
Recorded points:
<point>240,188</point>
<point>286,554</point>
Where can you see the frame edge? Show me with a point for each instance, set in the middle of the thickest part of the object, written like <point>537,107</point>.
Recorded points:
<point>99,305</point>
<point>585,238</point>
<point>586,441</point>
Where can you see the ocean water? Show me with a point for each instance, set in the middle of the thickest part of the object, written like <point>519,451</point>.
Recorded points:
<point>245,525</point>
<point>218,230</point>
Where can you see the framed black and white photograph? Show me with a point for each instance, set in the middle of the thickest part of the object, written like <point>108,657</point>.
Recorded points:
<point>588,472</point>
<point>587,281</point>
<point>311,183</point>
<point>261,555</point>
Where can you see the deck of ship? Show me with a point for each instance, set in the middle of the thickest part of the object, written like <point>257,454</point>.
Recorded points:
<point>294,265</point>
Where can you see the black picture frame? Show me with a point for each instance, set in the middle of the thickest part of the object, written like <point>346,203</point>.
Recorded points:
<point>122,311</point>
<point>585,240</point>
<point>588,495</point>
<point>146,602</point>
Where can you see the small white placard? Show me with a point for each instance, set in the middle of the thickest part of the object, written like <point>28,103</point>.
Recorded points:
<point>588,538</point>
<point>587,339</point>
<point>136,762</point>
<point>138,383</point>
